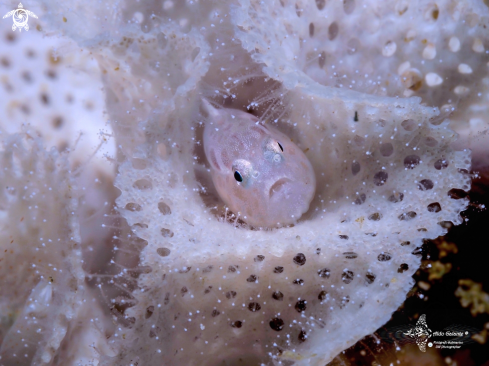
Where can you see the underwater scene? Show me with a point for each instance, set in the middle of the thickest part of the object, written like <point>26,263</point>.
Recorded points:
<point>244,182</point>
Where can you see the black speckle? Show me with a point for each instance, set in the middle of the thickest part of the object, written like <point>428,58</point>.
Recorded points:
<point>215,313</point>
<point>418,251</point>
<point>277,324</point>
<point>425,185</point>
<point>259,258</point>
<point>396,197</point>
<point>166,232</point>
<point>277,295</point>
<point>457,194</point>
<point>403,267</point>
<point>185,269</point>
<point>322,295</point>
<point>445,224</point>
<point>350,255</point>
<point>278,269</point>
<point>298,281</point>
<point>370,278</point>
<point>254,306</point>
<point>324,272</point>
<point>345,300</point>
<point>355,118</point>
<point>149,311</point>
<point>361,197</point>
<point>237,324</point>
<point>375,216</point>
<point>300,259</point>
<point>355,169</point>
<point>232,269</point>
<point>384,257</point>
<point>411,161</point>
<point>302,336</point>
<point>380,178</point>
<point>441,164</point>
<point>231,294</point>
<point>301,306</point>
<point>407,216</point>
<point>434,207</point>
<point>345,237</point>
<point>311,29</point>
<point>347,276</point>
<point>252,278</point>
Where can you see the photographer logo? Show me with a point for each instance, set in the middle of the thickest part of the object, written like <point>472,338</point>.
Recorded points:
<point>20,17</point>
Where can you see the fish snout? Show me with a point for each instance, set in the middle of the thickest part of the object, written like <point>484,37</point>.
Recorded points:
<point>288,199</point>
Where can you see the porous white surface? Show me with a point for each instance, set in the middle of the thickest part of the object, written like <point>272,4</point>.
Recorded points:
<point>40,264</point>
<point>384,168</point>
<point>51,103</point>
<point>54,86</point>
<point>209,290</point>
<point>393,48</point>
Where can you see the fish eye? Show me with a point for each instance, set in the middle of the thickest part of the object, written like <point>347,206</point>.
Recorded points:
<point>238,176</point>
<point>272,146</point>
<point>242,171</point>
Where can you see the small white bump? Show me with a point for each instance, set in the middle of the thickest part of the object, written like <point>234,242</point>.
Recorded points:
<point>433,79</point>
<point>408,93</point>
<point>478,46</point>
<point>389,49</point>
<point>429,52</point>
<point>410,35</point>
<point>464,69</point>
<point>454,44</point>
<point>461,90</point>
<point>405,66</point>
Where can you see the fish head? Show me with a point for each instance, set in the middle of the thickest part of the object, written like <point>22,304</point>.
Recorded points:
<point>257,170</point>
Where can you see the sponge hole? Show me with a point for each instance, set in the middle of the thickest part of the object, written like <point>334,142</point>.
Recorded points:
<point>164,252</point>
<point>164,208</point>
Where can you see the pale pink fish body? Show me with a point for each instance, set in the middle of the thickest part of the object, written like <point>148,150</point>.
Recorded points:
<point>258,171</point>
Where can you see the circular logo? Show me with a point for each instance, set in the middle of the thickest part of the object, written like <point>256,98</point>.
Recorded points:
<point>430,344</point>
<point>20,18</point>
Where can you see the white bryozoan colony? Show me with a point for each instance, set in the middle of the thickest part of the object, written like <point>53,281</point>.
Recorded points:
<point>364,88</point>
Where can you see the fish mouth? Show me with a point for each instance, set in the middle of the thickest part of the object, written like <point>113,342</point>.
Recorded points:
<point>277,186</point>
